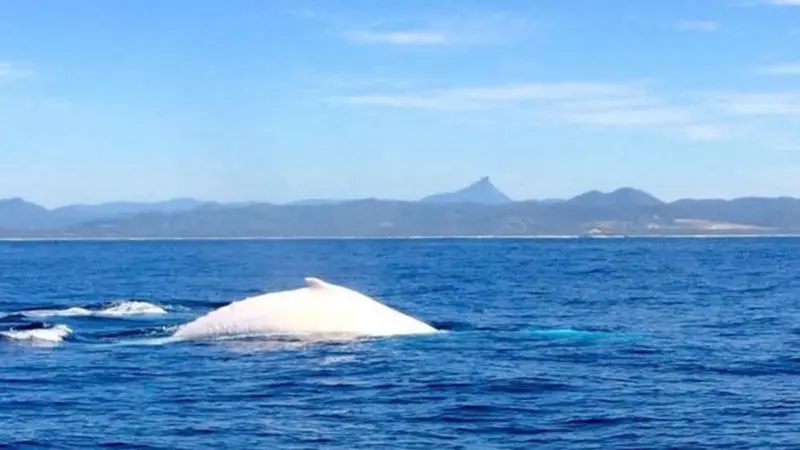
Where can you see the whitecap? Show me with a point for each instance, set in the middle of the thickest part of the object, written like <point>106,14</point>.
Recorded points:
<point>69,312</point>
<point>132,308</point>
<point>119,309</point>
<point>53,334</point>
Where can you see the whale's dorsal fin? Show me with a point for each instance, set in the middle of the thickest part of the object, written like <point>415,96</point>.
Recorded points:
<point>315,283</point>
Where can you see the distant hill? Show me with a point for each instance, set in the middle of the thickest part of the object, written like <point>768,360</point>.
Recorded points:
<point>481,192</point>
<point>122,208</point>
<point>477,210</point>
<point>316,202</point>
<point>780,212</point>
<point>19,214</point>
<point>551,200</point>
<point>622,197</point>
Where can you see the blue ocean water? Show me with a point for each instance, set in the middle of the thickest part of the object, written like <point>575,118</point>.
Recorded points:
<point>552,344</point>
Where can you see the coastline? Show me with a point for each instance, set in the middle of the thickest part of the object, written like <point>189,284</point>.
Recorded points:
<point>397,238</point>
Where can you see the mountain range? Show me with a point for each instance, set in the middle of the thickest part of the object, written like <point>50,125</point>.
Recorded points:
<point>479,209</point>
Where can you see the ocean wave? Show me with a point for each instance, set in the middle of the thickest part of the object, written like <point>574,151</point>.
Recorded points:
<point>55,333</point>
<point>117,309</point>
<point>139,332</point>
<point>132,308</point>
<point>69,312</point>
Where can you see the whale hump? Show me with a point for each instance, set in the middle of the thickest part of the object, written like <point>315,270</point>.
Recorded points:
<point>315,283</point>
<point>320,308</point>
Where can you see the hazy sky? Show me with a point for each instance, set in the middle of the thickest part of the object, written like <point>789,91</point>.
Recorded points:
<point>278,100</point>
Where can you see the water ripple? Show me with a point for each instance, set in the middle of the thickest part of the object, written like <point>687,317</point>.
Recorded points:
<point>590,344</point>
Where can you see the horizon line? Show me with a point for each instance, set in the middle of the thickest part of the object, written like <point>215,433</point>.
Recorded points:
<point>378,199</point>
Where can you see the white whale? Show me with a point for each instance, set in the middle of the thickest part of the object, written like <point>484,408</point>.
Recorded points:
<point>318,308</point>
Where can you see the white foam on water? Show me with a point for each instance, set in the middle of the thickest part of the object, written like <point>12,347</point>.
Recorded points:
<point>53,334</point>
<point>132,308</point>
<point>120,309</point>
<point>69,312</point>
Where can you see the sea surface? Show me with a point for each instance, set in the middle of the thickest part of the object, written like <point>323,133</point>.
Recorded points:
<point>549,344</point>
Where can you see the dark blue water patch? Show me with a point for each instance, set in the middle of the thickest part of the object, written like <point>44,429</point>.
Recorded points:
<point>28,444</point>
<point>13,319</point>
<point>127,334</point>
<point>590,271</point>
<point>651,343</point>
<point>22,326</point>
<point>207,305</point>
<point>126,446</point>
<point>458,326</point>
<point>753,289</point>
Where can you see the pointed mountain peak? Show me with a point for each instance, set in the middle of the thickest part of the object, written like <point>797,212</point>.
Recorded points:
<point>481,191</point>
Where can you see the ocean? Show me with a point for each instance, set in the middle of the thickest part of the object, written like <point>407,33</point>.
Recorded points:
<point>549,344</point>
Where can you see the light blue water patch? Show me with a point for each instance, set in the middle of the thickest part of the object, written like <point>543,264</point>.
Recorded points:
<point>569,333</point>
<point>148,341</point>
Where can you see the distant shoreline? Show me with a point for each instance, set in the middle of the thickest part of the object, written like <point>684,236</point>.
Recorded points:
<point>396,238</point>
<point>477,211</point>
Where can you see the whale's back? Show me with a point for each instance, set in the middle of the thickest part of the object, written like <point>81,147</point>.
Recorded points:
<point>319,307</point>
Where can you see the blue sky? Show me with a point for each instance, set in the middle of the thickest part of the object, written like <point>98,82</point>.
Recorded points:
<point>280,100</point>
